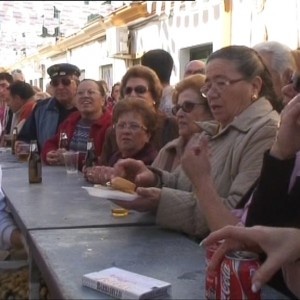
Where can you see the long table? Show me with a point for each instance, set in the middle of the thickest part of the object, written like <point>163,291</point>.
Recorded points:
<point>60,202</point>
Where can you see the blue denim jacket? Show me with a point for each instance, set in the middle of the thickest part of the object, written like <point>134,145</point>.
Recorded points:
<point>43,122</point>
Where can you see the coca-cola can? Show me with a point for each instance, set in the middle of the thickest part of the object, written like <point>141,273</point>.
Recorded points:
<point>212,281</point>
<point>237,270</point>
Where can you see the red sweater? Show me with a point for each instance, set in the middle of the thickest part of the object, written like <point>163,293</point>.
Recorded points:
<point>97,132</point>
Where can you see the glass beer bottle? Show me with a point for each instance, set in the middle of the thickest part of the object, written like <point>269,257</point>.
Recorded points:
<point>34,164</point>
<point>63,141</point>
<point>13,139</point>
<point>91,156</point>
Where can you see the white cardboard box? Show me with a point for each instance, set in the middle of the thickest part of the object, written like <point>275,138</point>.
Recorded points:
<point>123,284</point>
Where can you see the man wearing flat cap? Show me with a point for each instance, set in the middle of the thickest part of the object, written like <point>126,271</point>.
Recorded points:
<point>49,113</point>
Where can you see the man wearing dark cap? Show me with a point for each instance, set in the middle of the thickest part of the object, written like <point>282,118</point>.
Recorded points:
<point>49,113</point>
<point>161,62</point>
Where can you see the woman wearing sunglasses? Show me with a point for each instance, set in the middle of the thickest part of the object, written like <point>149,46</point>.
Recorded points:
<point>189,106</point>
<point>134,124</point>
<point>142,83</point>
<point>90,121</point>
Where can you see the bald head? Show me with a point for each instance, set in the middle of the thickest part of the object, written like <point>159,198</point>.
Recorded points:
<point>194,67</point>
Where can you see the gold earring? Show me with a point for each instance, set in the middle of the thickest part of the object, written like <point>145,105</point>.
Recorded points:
<point>254,97</point>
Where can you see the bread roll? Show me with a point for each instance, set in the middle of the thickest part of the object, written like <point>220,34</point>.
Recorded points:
<point>124,185</point>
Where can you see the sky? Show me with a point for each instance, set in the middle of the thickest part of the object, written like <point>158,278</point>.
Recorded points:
<point>21,23</point>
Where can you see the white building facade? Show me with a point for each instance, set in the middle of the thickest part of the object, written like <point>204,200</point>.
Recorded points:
<point>186,29</point>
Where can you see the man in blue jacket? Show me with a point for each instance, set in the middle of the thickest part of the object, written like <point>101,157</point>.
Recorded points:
<point>49,113</point>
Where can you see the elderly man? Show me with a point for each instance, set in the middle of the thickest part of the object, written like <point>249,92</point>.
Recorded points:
<point>49,113</point>
<point>5,113</point>
<point>194,67</point>
<point>18,75</point>
<point>280,63</point>
<point>21,103</point>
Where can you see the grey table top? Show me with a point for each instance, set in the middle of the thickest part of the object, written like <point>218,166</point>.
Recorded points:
<point>60,202</point>
<point>64,256</point>
<point>9,161</point>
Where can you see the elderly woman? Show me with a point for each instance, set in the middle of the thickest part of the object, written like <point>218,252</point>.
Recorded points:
<point>189,106</point>
<point>274,199</point>
<point>142,83</point>
<point>134,123</point>
<point>238,88</point>
<point>277,184</point>
<point>91,121</point>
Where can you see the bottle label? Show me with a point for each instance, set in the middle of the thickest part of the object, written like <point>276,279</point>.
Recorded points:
<point>89,146</point>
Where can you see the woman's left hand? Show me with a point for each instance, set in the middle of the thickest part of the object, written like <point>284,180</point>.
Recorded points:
<point>148,200</point>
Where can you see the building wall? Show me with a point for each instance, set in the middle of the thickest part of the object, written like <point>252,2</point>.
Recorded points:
<point>194,26</point>
<point>196,23</point>
<point>261,20</point>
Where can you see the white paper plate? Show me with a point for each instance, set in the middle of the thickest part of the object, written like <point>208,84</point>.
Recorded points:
<point>108,193</point>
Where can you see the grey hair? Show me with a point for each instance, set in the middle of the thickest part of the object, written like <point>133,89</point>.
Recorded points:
<point>282,58</point>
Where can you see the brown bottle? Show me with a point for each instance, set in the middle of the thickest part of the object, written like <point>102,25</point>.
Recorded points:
<point>90,157</point>
<point>63,141</point>
<point>13,139</point>
<point>34,164</point>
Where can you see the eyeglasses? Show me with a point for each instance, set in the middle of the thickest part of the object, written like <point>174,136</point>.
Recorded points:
<point>187,107</point>
<point>295,81</point>
<point>64,81</point>
<point>134,127</point>
<point>219,85</point>
<point>139,89</point>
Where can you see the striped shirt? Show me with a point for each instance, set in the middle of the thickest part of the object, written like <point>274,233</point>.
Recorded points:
<point>80,137</point>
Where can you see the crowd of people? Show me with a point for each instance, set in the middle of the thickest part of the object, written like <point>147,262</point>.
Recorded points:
<point>214,157</point>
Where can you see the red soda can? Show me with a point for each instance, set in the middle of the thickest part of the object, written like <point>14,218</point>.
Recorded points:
<point>212,281</point>
<point>237,270</point>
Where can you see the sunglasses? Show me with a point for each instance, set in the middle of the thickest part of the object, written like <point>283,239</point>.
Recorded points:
<point>64,81</point>
<point>295,81</point>
<point>139,89</point>
<point>187,107</point>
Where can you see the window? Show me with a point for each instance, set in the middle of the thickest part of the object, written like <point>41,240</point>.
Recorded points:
<point>41,82</point>
<point>200,52</point>
<point>105,73</point>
